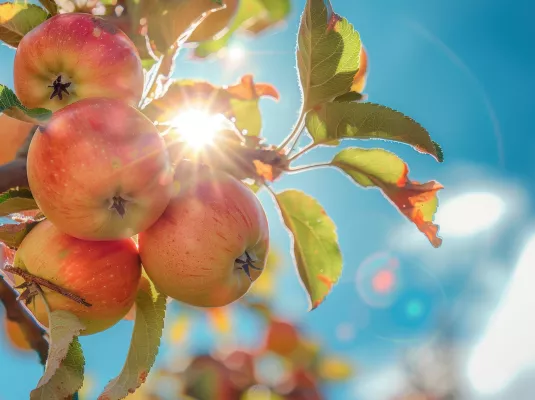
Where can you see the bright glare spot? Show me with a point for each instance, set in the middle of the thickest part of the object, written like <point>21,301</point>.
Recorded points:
<point>236,53</point>
<point>197,128</point>
<point>469,214</point>
<point>507,347</point>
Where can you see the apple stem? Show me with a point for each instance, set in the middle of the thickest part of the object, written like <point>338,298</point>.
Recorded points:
<point>30,290</point>
<point>59,88</point>
<point>247,265</point>
<point>119,205</point>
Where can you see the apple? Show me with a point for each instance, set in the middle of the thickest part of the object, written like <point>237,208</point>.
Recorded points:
<point>13,133</point>
<point>104,274</point>
<point>99,170</point>
<point>211,242</point>
<point>75,56</point>
<point>215,22</point>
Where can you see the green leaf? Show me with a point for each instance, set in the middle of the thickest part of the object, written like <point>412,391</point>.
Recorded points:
<point>50,6</point>
<point>246,10</point>
<point>328,54</point>
<point>12,235</point>
<point>148,63</point>
<point>440,153</point>
<point>64,372</point>
<point>167,21</point>
<point>239,101</point>
<point>17,19</point>
<point>389,173</point>
<point>349,97</point>
<point>150,315</point>
<point>334,121</point>
<point>253,16</point>
<point>11,106</point>
<point>315,243</point>
<point>275,11</point>
<point>16,200</point>
<point>247,114</point>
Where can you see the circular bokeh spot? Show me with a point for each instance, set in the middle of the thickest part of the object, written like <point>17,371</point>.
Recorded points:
<point>377,280</point>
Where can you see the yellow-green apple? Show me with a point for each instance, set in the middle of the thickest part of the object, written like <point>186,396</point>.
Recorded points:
<point>75,56</point>
<point>104,274</point>
<point>211,242</point>
<point>13,133</point>
<point>99,170</point>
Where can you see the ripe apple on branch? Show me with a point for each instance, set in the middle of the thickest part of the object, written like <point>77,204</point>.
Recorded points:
<point>129,171</point>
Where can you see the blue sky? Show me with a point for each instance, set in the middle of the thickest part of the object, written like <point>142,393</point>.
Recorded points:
<point>464,70</point>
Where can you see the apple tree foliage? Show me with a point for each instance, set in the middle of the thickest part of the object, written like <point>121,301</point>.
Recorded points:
<point>328,54</point>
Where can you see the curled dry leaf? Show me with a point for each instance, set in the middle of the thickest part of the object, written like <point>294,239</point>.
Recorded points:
<point>386,171</point>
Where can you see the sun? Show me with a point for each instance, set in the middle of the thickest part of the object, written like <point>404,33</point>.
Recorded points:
<point>197,128</point>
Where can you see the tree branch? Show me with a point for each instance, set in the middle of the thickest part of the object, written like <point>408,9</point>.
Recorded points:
<point>15,311</point>
<point>13,174</point>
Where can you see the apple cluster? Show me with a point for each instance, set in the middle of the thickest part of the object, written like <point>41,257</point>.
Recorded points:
<point>114,204</point>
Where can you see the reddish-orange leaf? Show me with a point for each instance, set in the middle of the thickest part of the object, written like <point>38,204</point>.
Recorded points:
<point>248,90</point>
<point>418,202</point>
<point>329,283</point>
<point>386,171</point>
<point>264,171</point>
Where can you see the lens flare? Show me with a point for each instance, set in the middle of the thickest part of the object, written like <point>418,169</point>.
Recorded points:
<point>197,128</point>
<point>376,280</point>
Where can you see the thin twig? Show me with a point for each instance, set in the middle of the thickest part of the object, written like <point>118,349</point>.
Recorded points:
<point>49,285</point>
<point>308,167</point>
<point>16,312</point>
<point>308,147</point>
<point>297,130</point>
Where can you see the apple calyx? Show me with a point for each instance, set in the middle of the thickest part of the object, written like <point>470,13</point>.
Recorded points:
<point>246,265</point>
<point>118,204</point>
<point>32,287</point>
<point>59,88</point>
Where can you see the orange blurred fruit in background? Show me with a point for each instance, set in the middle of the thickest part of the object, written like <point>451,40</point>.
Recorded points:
<point>282,338</point>
<point>13,134</point>
<point>15,335</point>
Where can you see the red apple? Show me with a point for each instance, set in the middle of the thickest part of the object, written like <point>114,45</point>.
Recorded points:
<point>75,56</point>
<point>211,242</point>
<point>99,170</point>
<point>105,274</point>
